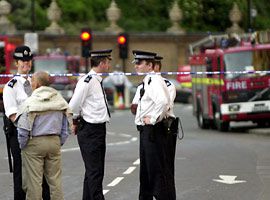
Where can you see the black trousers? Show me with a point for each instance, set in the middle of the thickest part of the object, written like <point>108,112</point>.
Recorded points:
<point>170,158</point>
<point>19,194</point>
<point>156,176</point>
<point>92,142</point>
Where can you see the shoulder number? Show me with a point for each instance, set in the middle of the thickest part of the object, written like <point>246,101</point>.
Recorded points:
<point>12,82</point>
<point>87,79</point>
<point>168,83</point>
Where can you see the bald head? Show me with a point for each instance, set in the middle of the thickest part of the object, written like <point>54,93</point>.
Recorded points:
<point>39,79</point>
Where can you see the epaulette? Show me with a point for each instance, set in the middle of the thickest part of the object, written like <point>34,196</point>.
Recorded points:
<point>87,79</point>
<point>149,81</point>
<point>12,82</point>
<point>168,83</point>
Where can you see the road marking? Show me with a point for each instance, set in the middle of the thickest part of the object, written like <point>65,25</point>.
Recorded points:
<point>118,143</point>
<point>134,139</point>
<point>4,173</point>
<point>131,139</point>
<point>115,181</point>
<point>70,149</point>
<point>137,162</point>
<point>105,191</point>
<point>125,135</point>
<point>181,158</point>
<point>227,179</point>
<point>129,170</point>
<point>111,133</point>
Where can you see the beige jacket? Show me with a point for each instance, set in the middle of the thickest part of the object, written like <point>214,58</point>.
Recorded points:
<point>43,99</point>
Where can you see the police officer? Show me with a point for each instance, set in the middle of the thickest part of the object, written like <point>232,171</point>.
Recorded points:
<point>14,94</point>
<point>89,102</point>
<point>152,108</point>
<point>170,86</point>
<point>171,138</point>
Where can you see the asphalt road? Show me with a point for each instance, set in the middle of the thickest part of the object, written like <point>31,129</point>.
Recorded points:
<point>209,165</point>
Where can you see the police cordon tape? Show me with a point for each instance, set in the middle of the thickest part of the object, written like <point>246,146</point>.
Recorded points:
<point>142,74</point>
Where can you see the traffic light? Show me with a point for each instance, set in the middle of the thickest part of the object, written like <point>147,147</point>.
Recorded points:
<point>86,38</point>
<point>122,41</point>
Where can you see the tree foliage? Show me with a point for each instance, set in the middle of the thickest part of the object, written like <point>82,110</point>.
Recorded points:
<point>140,15</point>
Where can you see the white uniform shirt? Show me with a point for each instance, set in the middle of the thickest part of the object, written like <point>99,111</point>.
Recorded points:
<point>88,99</point>
<point>171,90</point>
<point>136,97</point>
<point>14,95</point>
<point>155,101</point>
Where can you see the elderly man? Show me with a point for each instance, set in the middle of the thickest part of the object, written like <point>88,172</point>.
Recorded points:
<point>42,123</point>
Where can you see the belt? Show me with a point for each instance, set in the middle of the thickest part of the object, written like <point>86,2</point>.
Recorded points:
<point>157,125</point>
<point>82,121</point>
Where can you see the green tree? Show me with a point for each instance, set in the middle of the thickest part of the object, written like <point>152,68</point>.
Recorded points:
<point>140,15</point>
<point>21,15</point>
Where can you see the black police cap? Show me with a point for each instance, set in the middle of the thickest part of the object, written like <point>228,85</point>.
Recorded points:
<point>158,58</point>
<point>101,53</point>
<point>23,53</point>
<point>143,55</point>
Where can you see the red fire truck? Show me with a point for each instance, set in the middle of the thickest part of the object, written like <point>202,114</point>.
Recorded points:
<point>6,64</point>
<point>231,80</point>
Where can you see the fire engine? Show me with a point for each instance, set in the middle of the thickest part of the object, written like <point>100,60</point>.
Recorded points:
<point>231,79</point>
<point>57,63</point>
<point>6,64</point>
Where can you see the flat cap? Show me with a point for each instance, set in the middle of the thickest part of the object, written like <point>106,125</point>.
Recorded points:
<point>101,53</point>
<point>23,53</point>
<point>143,55</point>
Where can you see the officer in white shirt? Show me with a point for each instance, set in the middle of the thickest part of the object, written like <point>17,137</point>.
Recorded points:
<point>90,108</point>
<point>14,94</point>
<point>154,102</point>
<point>171,137</point>
<point>170,86</point>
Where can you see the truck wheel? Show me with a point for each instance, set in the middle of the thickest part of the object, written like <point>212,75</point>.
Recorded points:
<point>219,124</point>
<point>202,122</point>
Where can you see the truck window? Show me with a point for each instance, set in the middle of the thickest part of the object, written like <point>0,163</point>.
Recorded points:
<point>261,60</point>
<point>237,62</point>
<point>246,61</point>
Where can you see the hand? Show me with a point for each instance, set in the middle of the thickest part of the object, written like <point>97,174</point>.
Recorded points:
<point>133,108</point>
<point>146,120</point>
<point>74,129</point>
<point>12,117</point>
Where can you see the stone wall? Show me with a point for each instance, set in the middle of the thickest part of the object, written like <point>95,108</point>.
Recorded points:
<point>174,48</point>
